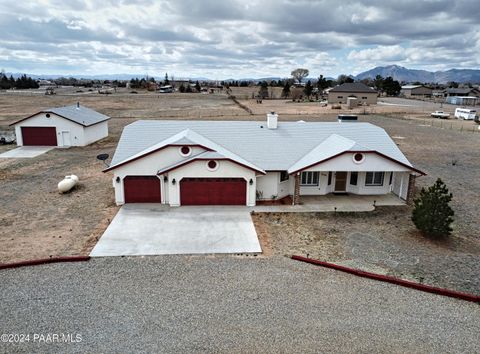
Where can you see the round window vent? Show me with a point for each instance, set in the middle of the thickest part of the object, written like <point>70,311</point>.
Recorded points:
<point>358,157</point>
<point>47,115</point>
<point>212,165</point>
<point>185,150</point>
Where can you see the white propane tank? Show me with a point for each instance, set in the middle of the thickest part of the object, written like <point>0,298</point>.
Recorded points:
<point>67,183</point>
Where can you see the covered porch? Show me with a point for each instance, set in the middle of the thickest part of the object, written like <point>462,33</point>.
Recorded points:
<point>335,202</point>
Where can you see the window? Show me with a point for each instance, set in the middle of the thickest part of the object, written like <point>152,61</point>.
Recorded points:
<point>364,98</point>
<point>353,178</point>
<point>339,96</point>
<point>185,151</point>
<point>212,165</point>
<point>358,157</point>
<point>329,178</point>
<point>309,178</point>
<point>374,179</point>
<point>284,176</point>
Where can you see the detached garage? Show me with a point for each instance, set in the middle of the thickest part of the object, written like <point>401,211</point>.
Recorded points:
<point>62,126</point>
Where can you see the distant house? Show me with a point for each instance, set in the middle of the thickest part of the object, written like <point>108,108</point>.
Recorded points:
<point>363,93</point>
<point>462,100</point>
<point>467,91</point>
<point>416,91</point>
<point>62,126</point>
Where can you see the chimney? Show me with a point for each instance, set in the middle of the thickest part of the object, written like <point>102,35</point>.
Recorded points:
<point>272,120</point>
<point>78,105</point>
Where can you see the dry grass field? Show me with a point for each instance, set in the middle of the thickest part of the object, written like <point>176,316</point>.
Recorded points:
<point>37,222</point>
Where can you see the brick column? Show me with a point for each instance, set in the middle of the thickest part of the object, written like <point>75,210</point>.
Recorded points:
<point>296,191</point>
<point>411,189</point>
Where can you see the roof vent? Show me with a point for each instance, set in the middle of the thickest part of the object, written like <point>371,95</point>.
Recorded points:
<point>78,105</point>
<point>272,120</point>
<point>347,118</point>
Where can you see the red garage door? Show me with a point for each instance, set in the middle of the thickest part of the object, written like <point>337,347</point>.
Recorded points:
<point>39,136</point>
<point>142,189</point>
<point>213,191</point>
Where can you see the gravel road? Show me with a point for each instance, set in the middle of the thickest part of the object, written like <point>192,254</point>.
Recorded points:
<point>226,304</point>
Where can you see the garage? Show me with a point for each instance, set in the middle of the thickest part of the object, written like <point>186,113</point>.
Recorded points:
<point>142,189</point>
<point>213,191</point>
<point>39,136</point>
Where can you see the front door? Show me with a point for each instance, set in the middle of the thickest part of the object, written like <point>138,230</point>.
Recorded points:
<point>340,182</point>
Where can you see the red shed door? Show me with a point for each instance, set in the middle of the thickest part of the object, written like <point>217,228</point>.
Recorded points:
<point>142,189</point>
<point>39,136</point>
<point>213,191</point>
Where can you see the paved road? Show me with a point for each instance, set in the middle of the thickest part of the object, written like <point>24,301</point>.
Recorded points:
<point>226,304</point>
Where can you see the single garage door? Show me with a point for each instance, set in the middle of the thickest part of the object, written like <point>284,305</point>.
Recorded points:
<point>213,191</point>
<point>39,136</point>
<point>142,189</point>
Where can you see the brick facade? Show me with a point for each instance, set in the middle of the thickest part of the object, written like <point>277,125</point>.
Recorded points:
<point>296,192</point>
<point>411,189</point>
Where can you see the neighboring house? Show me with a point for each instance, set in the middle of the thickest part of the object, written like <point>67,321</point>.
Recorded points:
<point>416,91</point>
<point>62,126</point>
<point>358,90</point>
<point>240,162</point>
<point>471,92</point>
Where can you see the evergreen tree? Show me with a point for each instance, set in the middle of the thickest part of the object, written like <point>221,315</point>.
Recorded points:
<point>308,89</point>
<point>181,88</point>
<point>263,91</point>
<point>432,213</point>
<point>167,82</point>
<point>286,89</point>
<point>197,86</point>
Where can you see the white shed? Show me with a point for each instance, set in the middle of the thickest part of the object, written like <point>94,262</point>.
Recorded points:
<point>62,126</point>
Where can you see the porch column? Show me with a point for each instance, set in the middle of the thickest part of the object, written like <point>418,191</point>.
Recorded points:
<point>296,190</point>
<point>411,189</point>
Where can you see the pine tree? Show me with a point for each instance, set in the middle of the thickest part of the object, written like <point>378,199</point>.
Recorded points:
<point>432,213</point>
<point>286,89</point>
<point>308,89</point>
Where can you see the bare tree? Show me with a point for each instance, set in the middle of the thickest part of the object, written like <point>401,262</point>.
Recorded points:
<point>299,74</point>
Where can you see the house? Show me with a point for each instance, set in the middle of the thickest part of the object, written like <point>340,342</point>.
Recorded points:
<point>240,162</point>
<point>462,100</point>
<point>465,92</point>
<point>416,91</point>
<point>62,126</point>
<point>361,92</point>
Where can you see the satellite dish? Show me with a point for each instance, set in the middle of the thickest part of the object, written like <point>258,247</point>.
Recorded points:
<point>103,157</point>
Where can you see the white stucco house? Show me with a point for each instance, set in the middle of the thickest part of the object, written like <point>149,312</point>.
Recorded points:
<point>66,126</point>
<point>241,162</point>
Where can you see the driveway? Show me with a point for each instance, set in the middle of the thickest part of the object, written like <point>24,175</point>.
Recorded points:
<point>26,152</point>
<point>154,229</point>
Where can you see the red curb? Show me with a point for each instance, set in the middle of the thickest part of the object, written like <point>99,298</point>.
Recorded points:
<point>388,279</point>
<point>44,261</point>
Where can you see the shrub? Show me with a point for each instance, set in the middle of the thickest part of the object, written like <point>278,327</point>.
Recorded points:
<point>432,213</point>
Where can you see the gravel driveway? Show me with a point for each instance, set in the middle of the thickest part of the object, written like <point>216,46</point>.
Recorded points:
<point>226,304</point>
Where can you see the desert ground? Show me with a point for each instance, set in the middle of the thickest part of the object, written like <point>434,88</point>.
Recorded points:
<point>37,222</point>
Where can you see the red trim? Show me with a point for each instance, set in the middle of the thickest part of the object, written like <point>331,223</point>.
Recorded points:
<point>363,152</point>
<point>151,152</point>
<point>59,115</point>
<point>385,278</point>
<point>44,261</point>
<point>205,159</point>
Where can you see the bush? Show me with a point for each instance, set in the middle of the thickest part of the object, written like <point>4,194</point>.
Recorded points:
<point>432,213</point>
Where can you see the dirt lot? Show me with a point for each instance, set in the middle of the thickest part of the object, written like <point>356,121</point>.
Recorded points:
<point>383,241</point>
<point>38,222</point>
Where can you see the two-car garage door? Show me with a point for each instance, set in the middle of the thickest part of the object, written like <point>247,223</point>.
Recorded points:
<point>39,136</point>
<point>193,191</point>
<point>213,191</point>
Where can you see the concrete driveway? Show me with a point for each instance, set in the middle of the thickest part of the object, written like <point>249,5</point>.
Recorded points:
<point>26,152</point>
<point>154,229</point>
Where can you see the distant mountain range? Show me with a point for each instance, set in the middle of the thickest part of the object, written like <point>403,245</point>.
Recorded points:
<point>402,74</point>
<point>397,72</point>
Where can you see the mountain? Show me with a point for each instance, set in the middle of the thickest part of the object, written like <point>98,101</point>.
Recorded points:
<point>401,73</point>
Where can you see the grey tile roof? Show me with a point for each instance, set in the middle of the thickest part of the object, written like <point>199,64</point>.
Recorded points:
<point>269,149</point>
<point>81,114</point>
<point>353,87</point>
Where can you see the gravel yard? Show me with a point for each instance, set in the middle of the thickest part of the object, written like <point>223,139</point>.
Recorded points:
<point>226,304</point>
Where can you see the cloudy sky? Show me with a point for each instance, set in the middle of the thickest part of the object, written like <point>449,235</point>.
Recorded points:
<point>230,38</point>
